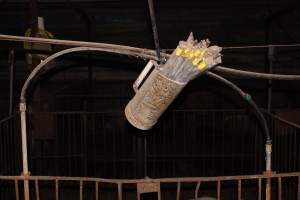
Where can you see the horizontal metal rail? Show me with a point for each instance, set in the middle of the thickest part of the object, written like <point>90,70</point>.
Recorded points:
<point>149,185</point>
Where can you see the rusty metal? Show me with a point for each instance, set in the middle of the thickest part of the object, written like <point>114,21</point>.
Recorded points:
<point>197,190</point>
<point>120,191</point>
<point>259,189</point>
<point>178,191</point>
<point>154,185</point>
<point>37,191</point>
<point>268,186</point>
<point>298,187</point>
<point>97,190</point>
<point>239,189</point>
<point>279,189</point>
<point>151,100</point>
<point>81,190</point>
<point>148,187</point>
<point>24,148</point>
<point>17,189</point>
<point>56,189</point>
<point>218,190</point>
<point>268,150</point>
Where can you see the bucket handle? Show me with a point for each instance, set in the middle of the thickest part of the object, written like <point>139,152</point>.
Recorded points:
<point>140,79</point>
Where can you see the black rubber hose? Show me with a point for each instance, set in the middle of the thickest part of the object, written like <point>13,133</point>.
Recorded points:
<point>254,75</point>
<point>246,97</point>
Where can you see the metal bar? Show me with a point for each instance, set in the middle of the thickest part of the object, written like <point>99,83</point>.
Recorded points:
<point>178,191</point>
<point>298,187</point>
<point>219,190</point>
<point>119,191</point>
<point>270,70</point>
<point>159,195</point>
<point>56,190</point>
<point>259,189</point>
<point>113,47</point>
<point>11,81</point>
<point>97,190</point>
<point>239,189</point>
<point>268,189</point>
<point>37,191</point>
<point>279,188</point>
<point>24,149</point>
<point>158,180</point>
<point>197,190</point>
<point>17,190</point>
<point>154,29</point>
<point>81,190</point>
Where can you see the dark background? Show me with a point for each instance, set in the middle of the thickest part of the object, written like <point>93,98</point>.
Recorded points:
<point>97,82</point>
<point>76,122</point>
<point>80,78</point>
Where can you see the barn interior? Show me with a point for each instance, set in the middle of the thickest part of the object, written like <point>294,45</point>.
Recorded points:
<point>217,140</point>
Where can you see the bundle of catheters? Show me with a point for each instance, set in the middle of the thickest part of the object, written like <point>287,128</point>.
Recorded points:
<point>190,59</point>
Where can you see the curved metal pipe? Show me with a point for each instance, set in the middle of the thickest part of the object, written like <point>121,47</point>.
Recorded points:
<point>255,75</point>
<point>262,119</point>
<point>78,49</point>
<point>71,50</point>
<point>246,97</point>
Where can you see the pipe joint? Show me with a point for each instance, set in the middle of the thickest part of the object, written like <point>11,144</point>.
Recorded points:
<point>22,107</point>
<point>268,156</point>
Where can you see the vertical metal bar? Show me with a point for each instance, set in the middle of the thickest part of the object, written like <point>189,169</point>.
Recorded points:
<point>81,191</point>
<point>154,28</point>
<point>119,191</point>
<point>298,188</point>
<point>84,145</point>
<point>219,190</point>
<point>159,195</point>
<point>268,189</point>
<point>96,190</point>
<point>24,148</point>
<point>37,191</point>
<point>279,188</point>
<point>17,190</point>
<point>270,70</point>
<point>259,189</point>
<point>11,81</point>
<point>178,191</point>
<point>197,190</point>
<point>239,189</point>
<point>56,190</point>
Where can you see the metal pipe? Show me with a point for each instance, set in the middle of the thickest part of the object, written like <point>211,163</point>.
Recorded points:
<point>155,180</point>
<point>67,51</point>
<point>154,28</point>
<point>235,73</point>
<point>147,54</point>
<point>24,149</point>
<point>268,156</point>
<point>247,97</point>
<point>132,51</point>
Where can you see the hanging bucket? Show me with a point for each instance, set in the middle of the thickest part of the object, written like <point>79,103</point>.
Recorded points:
<point>152,98</point>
